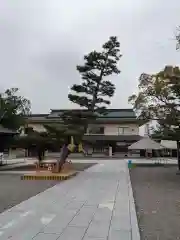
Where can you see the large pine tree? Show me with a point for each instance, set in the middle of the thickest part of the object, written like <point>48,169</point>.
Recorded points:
<point>95,86</point>
<point>93,94</point>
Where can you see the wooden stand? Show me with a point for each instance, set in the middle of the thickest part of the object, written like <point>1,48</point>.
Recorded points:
<point>45,166</point>
<point>67,166</point>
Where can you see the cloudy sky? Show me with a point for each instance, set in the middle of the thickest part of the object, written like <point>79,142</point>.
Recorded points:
<point>42,41</point>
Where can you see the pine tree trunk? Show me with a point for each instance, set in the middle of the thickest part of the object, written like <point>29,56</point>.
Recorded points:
<point>63,156</point>
<point>39,155</point>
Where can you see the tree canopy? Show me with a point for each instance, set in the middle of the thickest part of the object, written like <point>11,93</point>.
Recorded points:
<point>13,108</point>
<point>178,38</point>
<point>158,99</point>
<point>95,87</point>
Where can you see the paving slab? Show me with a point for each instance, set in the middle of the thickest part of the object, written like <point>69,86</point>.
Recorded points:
<point>119,235</point>
<point>43,236</point>
<point>75,233</point>
<point>97,204</point>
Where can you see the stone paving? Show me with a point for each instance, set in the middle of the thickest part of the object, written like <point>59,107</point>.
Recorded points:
<point>95,205</point>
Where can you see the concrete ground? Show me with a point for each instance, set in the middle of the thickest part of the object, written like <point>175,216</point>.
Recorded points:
<point>13,190</point>
<point>95,205</point>
<point>157,195</point>
<point>77,166</point>
<point>11,163</point>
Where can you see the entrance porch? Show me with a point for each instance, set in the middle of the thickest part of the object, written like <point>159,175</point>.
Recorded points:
<point>107,144</point>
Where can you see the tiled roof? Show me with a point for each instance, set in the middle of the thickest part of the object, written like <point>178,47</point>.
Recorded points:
<point>36,117</point>
<point>112,116</point>
<point>110,113</point>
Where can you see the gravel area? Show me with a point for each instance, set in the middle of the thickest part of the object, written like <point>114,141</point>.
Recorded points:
<point>13,190</point>
<point>157,197</point>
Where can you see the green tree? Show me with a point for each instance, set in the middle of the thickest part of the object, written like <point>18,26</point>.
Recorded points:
<point>93,94</point>
<point>62,132</point>
<point>33,141</point>
<point>13,108</point>
<point>95,87</point>
<point>54,136</point>
<point>178,38</point>
<point>158,99</point>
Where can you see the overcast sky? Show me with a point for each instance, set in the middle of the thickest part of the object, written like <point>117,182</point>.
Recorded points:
<point>42,41</point>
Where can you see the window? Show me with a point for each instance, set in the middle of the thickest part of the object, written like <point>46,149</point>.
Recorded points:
<point>122,130</point>
<point>96,130</point>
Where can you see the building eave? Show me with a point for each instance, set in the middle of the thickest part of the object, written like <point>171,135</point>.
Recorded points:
<point>99,121</point>
<point>43,121</point>
<point>7,131</point>
<point>117,138</point>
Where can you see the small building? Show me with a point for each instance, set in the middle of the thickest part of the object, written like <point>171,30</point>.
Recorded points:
<point>118,129</point>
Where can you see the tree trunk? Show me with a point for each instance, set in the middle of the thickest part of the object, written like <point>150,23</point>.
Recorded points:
<point>43,153</point>
<point>40,154</point>
<point>63,156</point>
<point>26,152</point>
<point>178,155</point>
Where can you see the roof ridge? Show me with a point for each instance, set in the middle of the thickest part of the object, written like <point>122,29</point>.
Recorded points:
<point>78,109</point>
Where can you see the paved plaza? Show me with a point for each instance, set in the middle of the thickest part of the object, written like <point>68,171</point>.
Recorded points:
<point>97,204</point>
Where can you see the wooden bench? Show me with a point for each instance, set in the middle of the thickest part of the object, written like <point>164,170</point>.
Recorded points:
<point>52,165</point>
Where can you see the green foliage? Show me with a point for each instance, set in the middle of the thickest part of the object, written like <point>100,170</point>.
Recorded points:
<point>61,133</point>
<point>54,137</point>
<point>178,38</point>
<point>159,99</point>
<point>13,107</point>
<point>76,122</point>
<point>33,139</point>
<point>95,87</point>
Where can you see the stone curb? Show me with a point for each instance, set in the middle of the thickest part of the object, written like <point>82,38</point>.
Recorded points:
<point>133,215</point>
<point>52,177</point>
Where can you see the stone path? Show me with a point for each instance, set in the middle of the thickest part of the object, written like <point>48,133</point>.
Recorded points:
<point>95,205</point>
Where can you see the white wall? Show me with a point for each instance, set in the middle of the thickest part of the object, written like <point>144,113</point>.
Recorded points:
<point>112,129</point>
<point>36,127</point>
<point>109,129</point>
